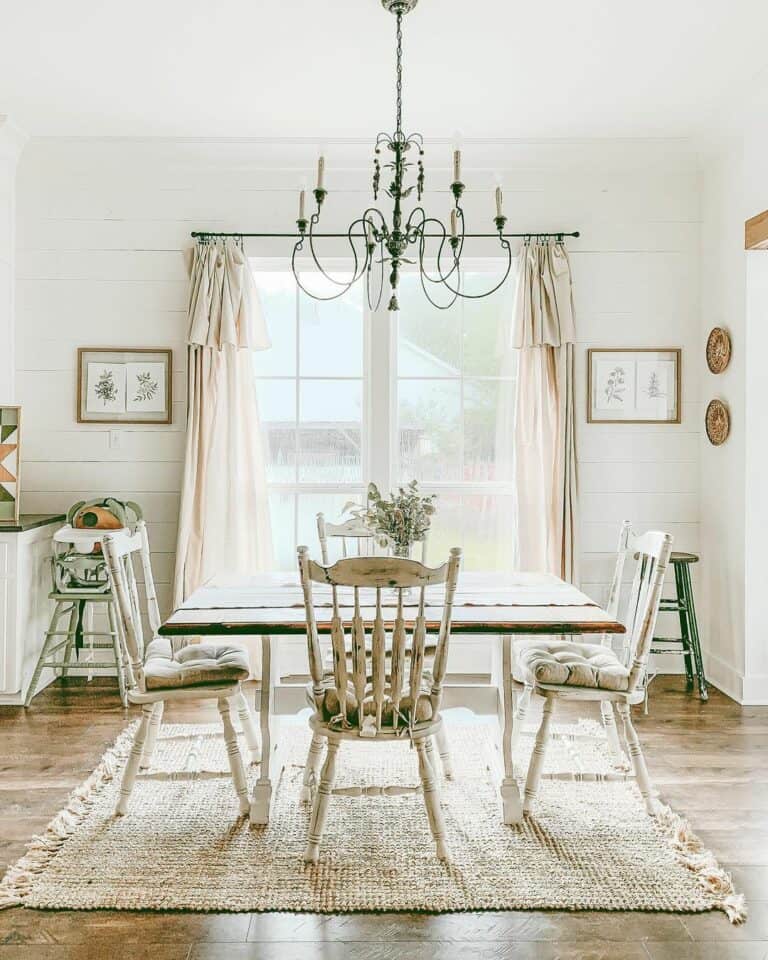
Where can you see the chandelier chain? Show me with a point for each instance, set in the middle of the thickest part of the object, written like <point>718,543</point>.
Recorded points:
<point>399,125</point>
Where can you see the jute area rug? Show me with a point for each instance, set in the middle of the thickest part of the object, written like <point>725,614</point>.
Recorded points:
<point>589,846</point>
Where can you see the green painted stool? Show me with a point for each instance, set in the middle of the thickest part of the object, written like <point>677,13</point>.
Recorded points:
<point>688,641</point>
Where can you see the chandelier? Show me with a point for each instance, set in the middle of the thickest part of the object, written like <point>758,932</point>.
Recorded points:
<point>390,243</point>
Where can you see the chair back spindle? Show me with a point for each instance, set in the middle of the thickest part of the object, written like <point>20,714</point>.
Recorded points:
<point>119,552</point>
<point>651,552</point>
<point>378,694</point>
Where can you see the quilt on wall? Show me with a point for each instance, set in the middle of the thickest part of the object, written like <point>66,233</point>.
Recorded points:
<point>9,463</point>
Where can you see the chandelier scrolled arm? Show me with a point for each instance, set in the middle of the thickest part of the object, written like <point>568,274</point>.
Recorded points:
<point>393,236</point>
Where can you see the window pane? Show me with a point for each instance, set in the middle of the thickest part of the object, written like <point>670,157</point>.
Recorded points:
<point>277,294</point>
<point>488,430</point>
<point>445,531</point>
<point>487,326</point>
<point>281,511</point>
<point>429,340</point>
<point>331,504</point>
<point>277,406</point>
<point>488,540</point>
<point>330,433</point>
<point>331,332</point>
<point>429,429</point>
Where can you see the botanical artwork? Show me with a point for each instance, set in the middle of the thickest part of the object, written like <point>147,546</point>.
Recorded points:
<point>129,386</point>
<point>9,464</point>
<point>615,385</point>
<point>106,388</point>
<point>145,386</point>
<point>633,386</point>
<point>655,384</point>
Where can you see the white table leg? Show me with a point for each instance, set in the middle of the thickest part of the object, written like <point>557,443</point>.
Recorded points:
<point>512,808</point>
<point>262,791</point>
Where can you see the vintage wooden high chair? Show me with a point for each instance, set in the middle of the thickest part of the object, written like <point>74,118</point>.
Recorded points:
<point>81,587</point>
<point>377,700</point>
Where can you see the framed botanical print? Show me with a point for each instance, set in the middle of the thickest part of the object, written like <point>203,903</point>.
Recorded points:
<point>633,386</point>
<point>124,385</point>
<point>10,436</point>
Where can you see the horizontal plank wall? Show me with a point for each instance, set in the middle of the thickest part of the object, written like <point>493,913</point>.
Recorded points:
<point>101,229</point>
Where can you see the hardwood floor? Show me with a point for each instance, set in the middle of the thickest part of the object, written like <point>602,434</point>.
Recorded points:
<point>710,762</point>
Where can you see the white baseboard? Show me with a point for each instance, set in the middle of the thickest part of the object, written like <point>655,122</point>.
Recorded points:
<point>748,691</point>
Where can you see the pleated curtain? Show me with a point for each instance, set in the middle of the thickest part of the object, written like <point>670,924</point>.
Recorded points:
<point>224,515</point>
<point>544,332</point>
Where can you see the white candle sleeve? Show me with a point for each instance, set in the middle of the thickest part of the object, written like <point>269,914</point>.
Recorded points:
<point>457,166</point>
<point>320,172</point>
<point>301,205</point>
<point>454,226</point>
<point>498,202</point>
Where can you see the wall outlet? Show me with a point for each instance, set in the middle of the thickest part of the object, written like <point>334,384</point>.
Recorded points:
<point>115,439</point>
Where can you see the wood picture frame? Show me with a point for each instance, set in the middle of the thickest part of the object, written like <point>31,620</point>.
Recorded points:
<point>124,385</point>
<point>634,385</point>
<point>10,463</point>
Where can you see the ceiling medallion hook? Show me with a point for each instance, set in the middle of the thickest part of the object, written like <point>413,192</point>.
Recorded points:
<point>399,6</point>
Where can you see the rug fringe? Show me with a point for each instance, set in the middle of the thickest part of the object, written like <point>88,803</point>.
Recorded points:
<point>692,854</point>
<point>19,878</point>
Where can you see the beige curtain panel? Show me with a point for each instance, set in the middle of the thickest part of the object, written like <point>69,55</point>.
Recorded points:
<point>224,515</point>
<point>545,436</point>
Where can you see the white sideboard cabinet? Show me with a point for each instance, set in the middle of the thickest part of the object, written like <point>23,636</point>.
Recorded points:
<point>25,610</point>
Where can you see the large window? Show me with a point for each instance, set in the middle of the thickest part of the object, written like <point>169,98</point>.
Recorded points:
<point>347,397</point>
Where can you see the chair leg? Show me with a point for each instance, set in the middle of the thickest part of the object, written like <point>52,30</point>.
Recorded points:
<point>120,664</point>
<point>637,758</point>
<point>154,729</point>
<point>320,804</point>
<point>443,748</point>
<point>429,785</point>
<point>134,759</point>
<point>523,703</point>
<point>235,758</point>
<point>312,768</point>
<point>70,642</point>
<point>57,612</point>
<point>248,725</point>
<point>611,733</point>
<point>537,757</point>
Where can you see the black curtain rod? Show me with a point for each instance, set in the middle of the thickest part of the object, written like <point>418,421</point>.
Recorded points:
<point>207,234</point>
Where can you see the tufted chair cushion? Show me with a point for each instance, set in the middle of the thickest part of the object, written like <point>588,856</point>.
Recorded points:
<point>570,664</point>
<point>330,707</point>
<point>168,665</point>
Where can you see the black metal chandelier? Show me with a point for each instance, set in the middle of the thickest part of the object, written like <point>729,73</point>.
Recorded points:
<point>388,242</point>
<point>374,241</point>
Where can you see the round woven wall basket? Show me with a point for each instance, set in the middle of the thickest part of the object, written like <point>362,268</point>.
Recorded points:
<point>718,422</point>
<point>718,349</point>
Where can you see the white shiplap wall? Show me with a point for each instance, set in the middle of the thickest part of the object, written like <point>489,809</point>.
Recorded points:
<point>101,229</point>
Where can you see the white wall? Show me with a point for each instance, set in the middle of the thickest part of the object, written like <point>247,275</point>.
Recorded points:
<point>101,227</point>
<point>734,515</point>
<point>11,143</point>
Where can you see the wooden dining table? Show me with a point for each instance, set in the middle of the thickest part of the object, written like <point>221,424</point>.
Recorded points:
<point>493,606</point>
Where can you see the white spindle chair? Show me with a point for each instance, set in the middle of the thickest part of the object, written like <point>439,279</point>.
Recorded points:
<point>612,609</point>
<point>374,699</point>
<point>167,670</point>
<point>356,539</point>
<point>591,672</point>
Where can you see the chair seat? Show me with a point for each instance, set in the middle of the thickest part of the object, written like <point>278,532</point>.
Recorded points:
<point>569,664</point>
<point>192,665</point>
<point>330,706</point>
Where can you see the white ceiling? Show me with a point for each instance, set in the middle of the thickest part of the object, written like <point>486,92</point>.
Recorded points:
<point>302,68</point>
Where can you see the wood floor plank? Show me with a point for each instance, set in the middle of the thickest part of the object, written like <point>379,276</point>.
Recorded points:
<point>708,761</point>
